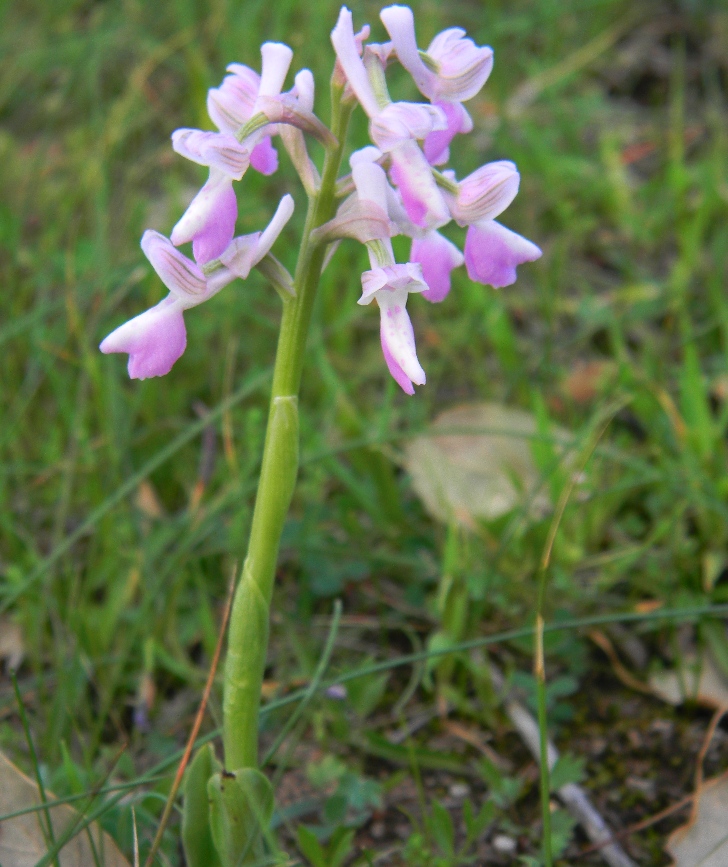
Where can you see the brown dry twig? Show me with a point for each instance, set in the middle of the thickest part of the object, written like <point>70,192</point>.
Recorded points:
<point>196,727</point>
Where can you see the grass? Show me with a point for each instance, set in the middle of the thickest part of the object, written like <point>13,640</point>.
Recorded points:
<point>123,505</point>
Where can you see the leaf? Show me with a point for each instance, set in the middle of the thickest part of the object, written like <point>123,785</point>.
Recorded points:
<point>365,693</point>
<point>22,842</point>
<point>442,829</point>
<point>475,825</point>
<point>567,769</point>
<point>310,847</point>
<point>704,839</point>
<point>340,846</point>
<point>241,807</point>
<point>197,839</point>
<point>478,475</point>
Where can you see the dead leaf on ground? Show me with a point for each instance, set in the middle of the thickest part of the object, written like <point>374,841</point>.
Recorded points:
<point>703,842</point>
<point>477,476</point>
<point>697,679</point>
<point>22,843</point>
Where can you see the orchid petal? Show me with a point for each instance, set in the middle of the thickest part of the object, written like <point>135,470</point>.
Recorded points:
<point>245,251</point>
<point>230,106</point>
<point>399,376</point>
<point>370,181</point>
<point>347,53</point>
<point>357,218</point>
<point>492,253</point>
<point>154,340</point>
<point>268,237</point>
<point>398,339</point>
<point>392,278</point>
<point>462,66</point>
<point>400,121</point>
<point>264,157</point>
<point>485,193</point>
<point>221,150</point>
<point>276,59</point>
<point>438,257</point>
<point>400,24</point>
<point>367,154</point>
<point>239,256</point>
<point>411,174</point>
<point>437,143</point>
<point>209,221</point>
<point>304,89</point>
<point>184,279</point>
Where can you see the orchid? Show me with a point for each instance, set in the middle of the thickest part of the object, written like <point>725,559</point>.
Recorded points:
<point>393,189</point>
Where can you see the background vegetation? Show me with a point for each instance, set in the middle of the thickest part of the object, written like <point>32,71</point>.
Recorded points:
<point>123,505</point>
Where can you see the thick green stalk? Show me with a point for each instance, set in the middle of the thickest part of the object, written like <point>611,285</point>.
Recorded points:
<point>248,636</point>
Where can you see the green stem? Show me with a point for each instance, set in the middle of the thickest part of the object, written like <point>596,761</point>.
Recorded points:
<point>248,636</point>
<point>544,776</point>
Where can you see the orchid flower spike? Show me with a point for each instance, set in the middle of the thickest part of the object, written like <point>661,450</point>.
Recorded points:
<point>394,127</point>
<point>156,338</point>
<point>389,283</point>
<point>451,71</point>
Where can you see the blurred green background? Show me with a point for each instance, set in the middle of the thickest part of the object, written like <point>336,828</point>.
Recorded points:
<point>123,506</point>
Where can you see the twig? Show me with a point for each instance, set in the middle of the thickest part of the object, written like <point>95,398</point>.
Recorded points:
<point>645,823</point>
<point>196,727</point>
<point>603,642</point>
<point>707,740</point>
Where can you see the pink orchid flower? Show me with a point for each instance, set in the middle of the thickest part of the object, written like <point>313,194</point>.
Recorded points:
<point>388,282</point>
<point>209,221</point>
<point>492,252</point>
<point>156,338</point>
<point>451,71</point>
<point>395,128</point>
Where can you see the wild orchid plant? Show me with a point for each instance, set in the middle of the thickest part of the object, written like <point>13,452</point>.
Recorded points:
<point>394,188</point>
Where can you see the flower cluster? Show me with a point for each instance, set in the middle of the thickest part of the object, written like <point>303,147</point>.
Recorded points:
<point>410,140</point>
<point>395,187</point>
<point>247,109</point>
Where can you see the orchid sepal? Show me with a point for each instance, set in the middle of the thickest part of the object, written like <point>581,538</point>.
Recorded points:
<point>485,193</point>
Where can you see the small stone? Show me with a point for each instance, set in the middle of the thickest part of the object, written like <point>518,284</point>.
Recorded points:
<point>459,790</point>
<point>505,844</point>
